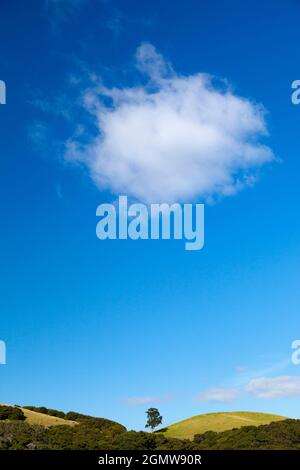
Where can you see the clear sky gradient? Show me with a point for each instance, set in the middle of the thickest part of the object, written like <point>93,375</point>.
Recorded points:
<point>111,328</point>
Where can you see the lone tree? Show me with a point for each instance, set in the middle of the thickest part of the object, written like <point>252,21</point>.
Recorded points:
<point>154,419</point>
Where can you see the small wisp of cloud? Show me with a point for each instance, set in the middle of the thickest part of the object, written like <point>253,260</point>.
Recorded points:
<point>148,400</point>
<point>217,395</point>
<point>275,387</point>
<point>256,384</point>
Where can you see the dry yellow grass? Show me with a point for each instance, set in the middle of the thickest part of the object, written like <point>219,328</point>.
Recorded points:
<point>32,417</point>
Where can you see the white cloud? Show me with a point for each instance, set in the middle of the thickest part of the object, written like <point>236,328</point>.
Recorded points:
<point>221,395</point>
<point>275,387</point>
<point>148,400</point>
<point>173,139</point>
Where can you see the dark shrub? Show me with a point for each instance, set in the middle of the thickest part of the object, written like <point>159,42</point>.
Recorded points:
<point>99,423</point>
<point>46,411</point>
<point>12,413</point>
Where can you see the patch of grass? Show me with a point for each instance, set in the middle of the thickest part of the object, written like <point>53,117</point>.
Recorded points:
<point>32,417</point>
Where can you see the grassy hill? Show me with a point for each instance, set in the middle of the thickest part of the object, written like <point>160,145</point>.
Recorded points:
<point>217,422</point>
<point>33,417</point>
<point>40,428</point>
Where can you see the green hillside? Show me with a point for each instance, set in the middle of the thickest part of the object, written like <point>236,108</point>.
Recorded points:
<point>217,422</point>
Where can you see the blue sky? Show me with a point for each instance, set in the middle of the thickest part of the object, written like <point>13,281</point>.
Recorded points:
<point>111,328</point>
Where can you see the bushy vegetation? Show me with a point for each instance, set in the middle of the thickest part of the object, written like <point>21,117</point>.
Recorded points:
<point>99,423</point>
<point>22,436</point>
<point>101,434</point>
<point>278,435</point>
<point>11,413</point>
